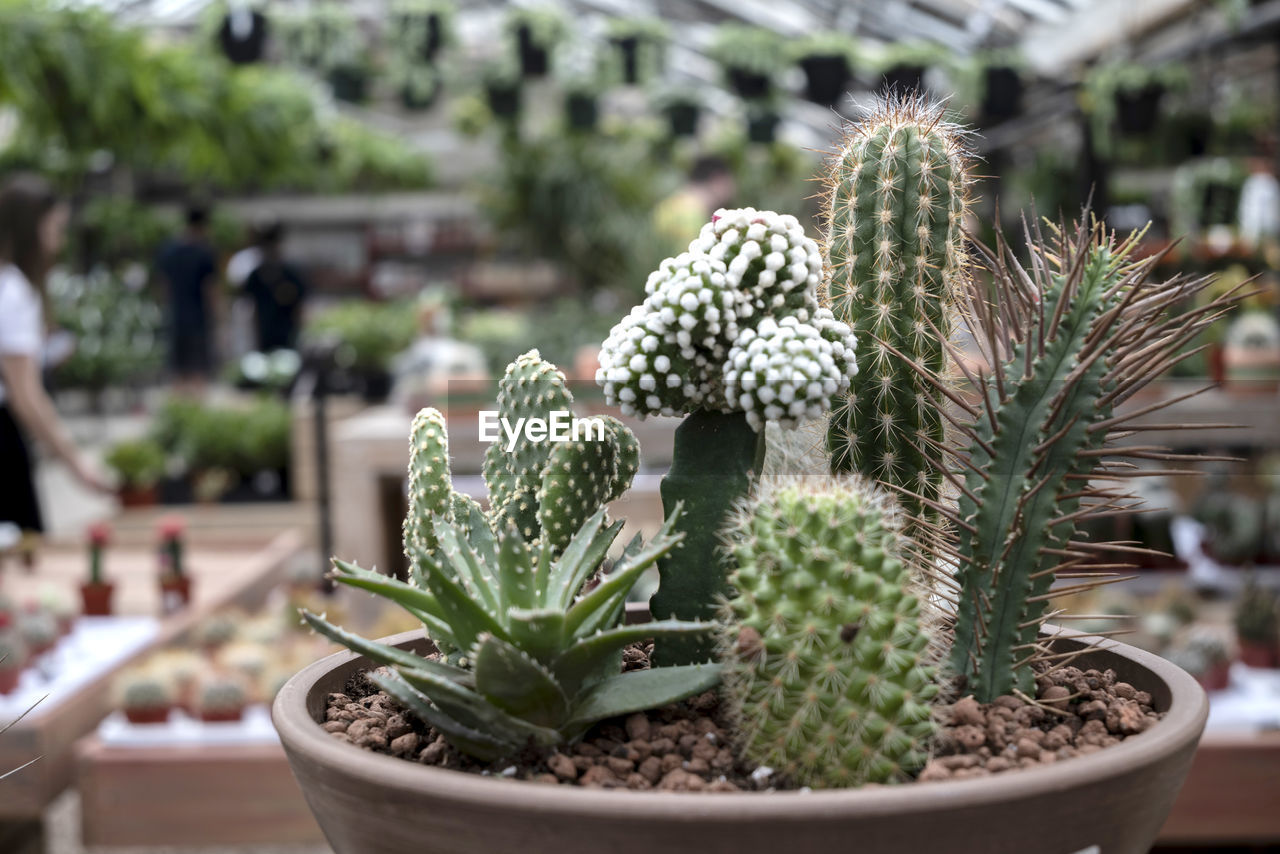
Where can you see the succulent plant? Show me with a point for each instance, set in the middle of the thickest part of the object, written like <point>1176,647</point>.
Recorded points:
<point>896,196</point>
<point>217,630</point>
<point>39,630</point>
<point>829,658</point>
<point>13,650</point>
<point>222,694</point>
<point>541,657</point>
<point>1257,615</point>
<point>731,335</point>
<point>1076,334</point>
<point>544,489</point>
<point>146,691</point>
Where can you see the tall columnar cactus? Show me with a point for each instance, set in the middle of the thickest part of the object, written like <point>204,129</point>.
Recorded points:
<point>1071,338</point>
<point>829,664</point>
<point>895,203</point>
<point>731,335</point>
<point>543,489</point>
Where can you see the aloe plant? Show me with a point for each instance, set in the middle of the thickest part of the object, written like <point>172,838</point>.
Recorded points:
<point>541,655</point>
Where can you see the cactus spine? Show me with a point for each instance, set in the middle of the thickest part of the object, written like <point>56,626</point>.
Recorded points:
<point>895,203</point>
<point>828,657</point>
<point>1073,337</point>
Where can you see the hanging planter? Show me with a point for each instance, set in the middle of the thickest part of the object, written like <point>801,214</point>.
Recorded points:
<point>762,126</point>
<point>536,32</point>
<point>903,78</point>
<point>750,57</point>
<point>1002,92</point>
<point>419,87</point>
<point>350,83</point>
<point>682,117</point>
<point>1138,110</point>
<point>903,66</point>
<point>582,110</point>
<point>243,36</point>
<point>826,78</point>
<point>640,44</point>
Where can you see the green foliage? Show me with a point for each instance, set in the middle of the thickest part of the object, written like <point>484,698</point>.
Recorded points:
<point>369,335</point>
<point>558,330</point>
<point>1077,333</point>
<point>912,53</point>
<point>117,330</point>
<point>138,462</point>
<point>826,43</point>
<point>754,50</point>
<point>582,200</point>
<point>547,25</point>
<point>650,36</point>
<point>243,440</point>
<point>895,287</point>
<point>828,664</point>
<point>82,85</point>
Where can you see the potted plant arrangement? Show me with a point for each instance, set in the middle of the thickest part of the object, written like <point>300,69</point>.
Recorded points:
<point>222,700</point>
<point>827,59</point>
<point>1130,94</point>
<point>421,28</point>
<point>418,85</point>
<point>641,45</point>
<point>762,120</point>
<point>682,109</point>
<point>175,584</point>
<point>96,592</point>
<point>1001,81</point>
<point>139,464</point>
<point>536,31</point>
<point>750,58</point>
<point>13,658</point>
<point>582,102</point>
<point>871,611</point>
<point>146,699</point>
<point>39,630</point>
<point>1258,626</point>
<point>903,65</point>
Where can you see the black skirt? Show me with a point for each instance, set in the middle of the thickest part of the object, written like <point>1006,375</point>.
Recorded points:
<point>18,502</point>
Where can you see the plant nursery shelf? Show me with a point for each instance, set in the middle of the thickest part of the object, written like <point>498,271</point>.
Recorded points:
<point>239,794</point>
<point>51,730</point>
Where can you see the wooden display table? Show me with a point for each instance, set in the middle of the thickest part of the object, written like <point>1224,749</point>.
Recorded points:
<point>229,795</point>
<point>221,578</point>
<point>1232,794</point>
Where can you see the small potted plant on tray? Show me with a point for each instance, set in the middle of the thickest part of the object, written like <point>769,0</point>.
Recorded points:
<point>871,607</point>
<point>146,699</point>
<point>175,584</point>
<point>96,592</point>
<point>140,464</point>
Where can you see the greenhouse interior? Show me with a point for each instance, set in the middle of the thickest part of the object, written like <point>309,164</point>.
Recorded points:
<point>490,426</point>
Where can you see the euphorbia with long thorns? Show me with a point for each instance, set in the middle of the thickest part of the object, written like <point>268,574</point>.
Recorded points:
<point>1069,339</point>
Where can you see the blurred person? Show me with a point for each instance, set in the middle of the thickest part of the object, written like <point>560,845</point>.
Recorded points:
<point>278,291</point>
<point>711,186</point>
<point>188,267</point>
<point>33,223</point>
<point>1259,208</point>
<point>240,315</point>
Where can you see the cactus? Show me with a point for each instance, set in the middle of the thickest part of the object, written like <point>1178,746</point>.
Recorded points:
<point>731,335</point>
<point>1075,335</point>
<point>895,202</point>
<point>1257,616</point>
<point>13,650</point>
<point>220,695</point>
<point>145,692</point>
<point>39,630</point>
<point>829,663</point>
<point>543,489</point>
<point>542,658</point>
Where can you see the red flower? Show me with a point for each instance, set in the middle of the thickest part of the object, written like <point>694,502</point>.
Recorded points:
<point>99,534</point>
<point>171,527</point>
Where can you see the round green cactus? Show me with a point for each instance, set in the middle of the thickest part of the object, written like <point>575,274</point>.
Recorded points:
<point>145,691</point>
<point>828,656</point>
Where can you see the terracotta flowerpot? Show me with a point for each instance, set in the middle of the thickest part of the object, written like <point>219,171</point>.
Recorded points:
<point>147,716</point>
<point>175,593</point>
<point>1115,799</point>
<point>138,496</point>
<point>1262,655</point>
<point>213,716</point>
<point>97,598</point>
<point>9,677</point>
<point>1217,677</point>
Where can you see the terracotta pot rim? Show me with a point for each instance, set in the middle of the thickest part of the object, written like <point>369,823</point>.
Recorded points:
<point>1189,708</point>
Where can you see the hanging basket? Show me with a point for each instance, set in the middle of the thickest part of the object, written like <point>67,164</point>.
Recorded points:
<point>1138,110</point>
<point>825,78</point>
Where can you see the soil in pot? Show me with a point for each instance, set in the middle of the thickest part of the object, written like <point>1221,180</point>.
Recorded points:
<point>687,746</point>
<point>96,599</point>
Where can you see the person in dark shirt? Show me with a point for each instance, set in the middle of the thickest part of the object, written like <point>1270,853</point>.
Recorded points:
<point>278,290</point>
<point>188,268</point>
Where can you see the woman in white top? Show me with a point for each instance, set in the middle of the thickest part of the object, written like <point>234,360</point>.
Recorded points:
<point>32,223</point>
